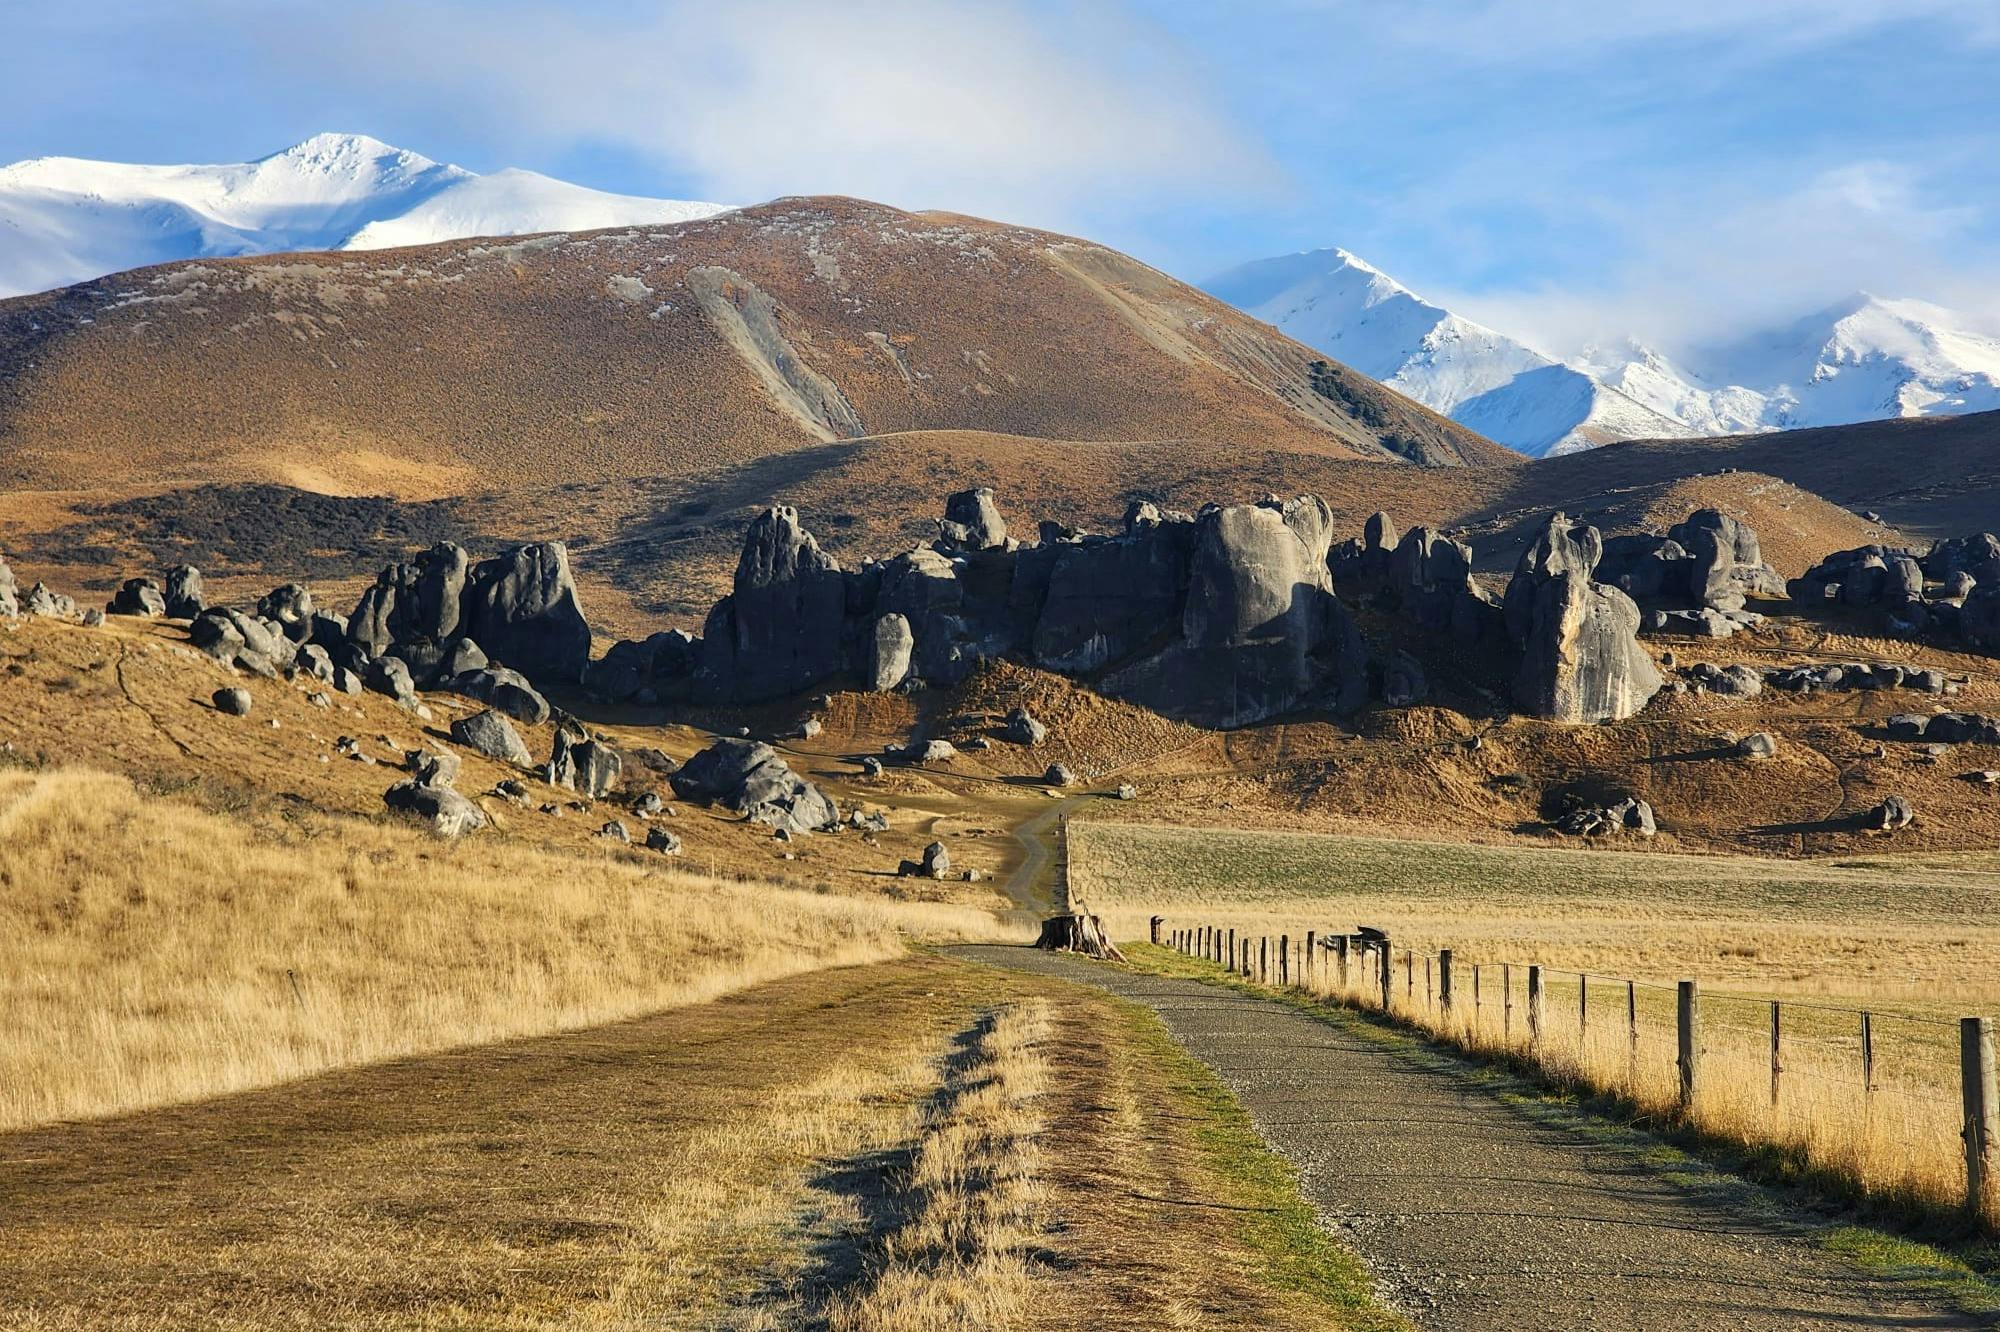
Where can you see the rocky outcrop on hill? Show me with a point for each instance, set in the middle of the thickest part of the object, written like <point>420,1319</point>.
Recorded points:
<point>1226,618</point>
<point>1951,594</point>
<point>1697,579</point>
<point>1422,574</point>
<point>10,604</point>
<point>1945,728</point>
<point>138,597</point>
<point>185,594</point>
<point>1580,656</point>
<point>520,609</point>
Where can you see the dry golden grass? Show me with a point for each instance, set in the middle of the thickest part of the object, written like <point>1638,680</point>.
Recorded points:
<point>963,1258</point>
<point>156,953</point>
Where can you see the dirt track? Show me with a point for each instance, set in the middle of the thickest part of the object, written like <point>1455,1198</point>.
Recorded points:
<point>1476,1210</point>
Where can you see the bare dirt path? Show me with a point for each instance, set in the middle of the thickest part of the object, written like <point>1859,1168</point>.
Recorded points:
<point>1477,1209</point>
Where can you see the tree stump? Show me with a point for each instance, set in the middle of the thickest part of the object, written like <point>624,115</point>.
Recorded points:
<point>1077,931</point>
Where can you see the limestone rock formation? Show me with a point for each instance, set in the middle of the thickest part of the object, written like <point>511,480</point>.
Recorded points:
<point>520,608</point>
<point>491,734</point>
<point>10,604</point>
<point>886,661</point>
<point>504,691</point>
<point>583,763</point>
<point>1580,656</point>
<point>234,702</point>
<point>972,521</point>
<point>138,596</point>
<point>750,778</point>
<point>781,627</point>
<point>186,597</point>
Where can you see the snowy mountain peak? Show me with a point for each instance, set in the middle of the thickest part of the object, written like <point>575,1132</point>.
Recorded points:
<point>66,219</point>
<point>1862,358</point>
<point>1508,391</point>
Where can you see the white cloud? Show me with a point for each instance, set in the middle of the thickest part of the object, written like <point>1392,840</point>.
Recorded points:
<point>977,107</point>
<point>1705,265</point>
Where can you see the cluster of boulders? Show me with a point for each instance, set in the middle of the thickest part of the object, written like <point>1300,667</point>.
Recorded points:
<point>1952,593</point>
<point>1630,815</point>
<point>1697,579</point>
<point>1945,728</point>
<point>40,600</point>
<point>1422,574</point>
<point>1226,617</point>
<point>440,621</point>
<point>1850,677</point>
<point>1745,681</point>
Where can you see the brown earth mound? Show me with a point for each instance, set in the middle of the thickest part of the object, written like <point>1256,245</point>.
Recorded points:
<point>488,365</point>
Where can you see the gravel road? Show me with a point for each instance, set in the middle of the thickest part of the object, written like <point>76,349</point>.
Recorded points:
<point>1477,1210</point>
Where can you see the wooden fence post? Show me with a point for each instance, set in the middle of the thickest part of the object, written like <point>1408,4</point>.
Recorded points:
<point>1444,979</point>
<point>1409,976</point>
<point>1387,979</point>
<point>1311,962</point>
<point>1232,950</point>
<point>1340,959</point>
<point>1507,1001</point>
<point>1154,932</point>
<point>1632,1037</point>
<point>1776,1066</point>
<point>1427,982</point>
<point>1975,1069</point>
<point>1582,1009</point>
<point>1534,1006</point>
<point>1687,1021</point>
<point>1284,959</point>
<point>1263,959</point>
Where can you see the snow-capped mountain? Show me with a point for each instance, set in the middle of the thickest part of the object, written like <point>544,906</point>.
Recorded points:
<point>1504,389</point>
<point>1864,359</point>
<point>65,220</point>
<point>1861,360</point>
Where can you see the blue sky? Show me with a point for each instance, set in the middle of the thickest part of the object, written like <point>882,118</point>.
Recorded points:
<point>1564,169</point>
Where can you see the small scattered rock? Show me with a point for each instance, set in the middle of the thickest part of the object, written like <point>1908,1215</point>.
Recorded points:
<point>235,702</point>
<point>935,864</point>
<point>1059,774</point>
<point>1892,814</point>
<point>614,831</point>
<point>493,735</point>
<point>1757,745</point>
<point>659,839</point>
<point>1127,791</point>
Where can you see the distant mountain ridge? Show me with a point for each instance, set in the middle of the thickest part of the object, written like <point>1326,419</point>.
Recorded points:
<point>65,220</point>
<point>1864,359</point>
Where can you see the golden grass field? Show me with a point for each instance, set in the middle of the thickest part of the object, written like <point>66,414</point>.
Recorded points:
<point>155,952</point>
<point>1911,941</point>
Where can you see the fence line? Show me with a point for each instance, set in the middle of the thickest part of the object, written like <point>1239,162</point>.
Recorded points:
<point>1901,1106</point>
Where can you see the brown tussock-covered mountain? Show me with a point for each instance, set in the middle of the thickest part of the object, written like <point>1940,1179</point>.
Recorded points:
<point>487,365</point>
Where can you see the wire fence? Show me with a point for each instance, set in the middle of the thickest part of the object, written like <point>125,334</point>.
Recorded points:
<point>1899,1106</point>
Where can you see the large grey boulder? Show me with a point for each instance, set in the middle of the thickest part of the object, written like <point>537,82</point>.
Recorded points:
<point>1979,618</point>
<point>1892,814</point>
<point>972,521</point>
<point>583,763</point>
<point>1562,546</point>
<point>1581,661</point>
<point>417,600</point>
<point>234,702</point>
<point>290,606</point>
<point>750,778</point>
<point>1023,729</point>
<point>186,597</point>
<point>448,813</point>
<point>521,608</point>
<point>780,629</point>
<point>242,640</point>
<point>1261,631</point>
<point>388,675</point>
<point>10,603</point>
<point>886,655</point>
<point>138,596</point>
<point>504,691</point>
<point>1727,561</point>
<point>491,734</point>
<point>661,663</point>
<point>935,864</point>
<point>45,601</point>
